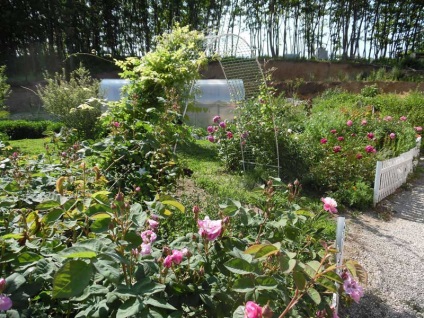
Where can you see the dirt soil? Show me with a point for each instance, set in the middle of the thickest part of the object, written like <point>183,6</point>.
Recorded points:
<point>315,78</point>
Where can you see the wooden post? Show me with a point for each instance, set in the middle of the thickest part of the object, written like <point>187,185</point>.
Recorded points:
<point>377,182</point>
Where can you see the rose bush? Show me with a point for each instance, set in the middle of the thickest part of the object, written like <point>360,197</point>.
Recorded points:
<point>72,249</point>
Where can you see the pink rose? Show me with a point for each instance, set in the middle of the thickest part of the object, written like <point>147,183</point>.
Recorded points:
<point>330,204</point>
<point>229,135</point>
<point>222,124</point>
<point>340,138</point>
<point>167,262</point>
<point>211,138</point>
<point>392,136</point>
<point>185,251</point>
<point>333,131</point>
<point>146,249</point>
<point>337,149</point>
<point>370,135</point>
<point>148,236</point>
<point>359,156</point>
<point>177,256</point>
<point>364,122</point>
<point>349,123</point>
<point>370,149</point>
<point>323,141</point>
<point>402,118</point>
<point>388,118</point>
<point>153,224</point>
<point>210,129</point>
<point>252,310</point>
<point>418,129</point>
<point>216,119</point>
<point>209,229</point>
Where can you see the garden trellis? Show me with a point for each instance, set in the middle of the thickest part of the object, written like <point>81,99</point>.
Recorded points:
<point>244,76</point>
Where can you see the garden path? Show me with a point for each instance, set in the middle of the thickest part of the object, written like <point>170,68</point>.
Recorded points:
<point>392,252</point>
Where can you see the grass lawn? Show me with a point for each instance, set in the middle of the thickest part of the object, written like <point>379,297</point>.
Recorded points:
<point>30,146</point>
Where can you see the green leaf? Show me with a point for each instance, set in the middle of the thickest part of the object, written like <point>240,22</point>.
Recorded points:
<point>71,279</point>
<point>130,308</point>
<point>328,284</point>
<point>312,268</point>
<point>108,268</point>
<point>175,204</point>
<point>78,252</point>
<point>12,187</point>
<point>239,266</point>
<point>14,282</point>
<point>290,254</point>
<point>254,248</point>
<point>92,290</point>
<point>315,265</point>
<point>230,210</point>
<point>6,203</point>
<point>99,146</point>
<point>305,213</point>
<point>315,296</point>
<point>159,303</point>
<point>146,286</point>
<point>97,208</point>
<point>334,277</point>
<point>299,280</point>
<point>287,264</point>
<point>102,197</point>
<point>265,282</point>
<point>28,258</point>
<point>244,285</point>
<point>52,216</point>
<point>46,205</point>
<point>16,236</point>
<point>266,251</point>
<point>101,222</point>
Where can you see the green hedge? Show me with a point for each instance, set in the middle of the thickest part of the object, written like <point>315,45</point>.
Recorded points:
<point>22,129</point>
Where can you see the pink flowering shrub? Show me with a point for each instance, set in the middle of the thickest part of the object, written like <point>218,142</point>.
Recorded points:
<point>348,141</point>
<point>224,134</point>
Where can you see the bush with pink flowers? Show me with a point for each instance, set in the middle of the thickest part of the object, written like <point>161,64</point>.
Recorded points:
<point>343,149</point>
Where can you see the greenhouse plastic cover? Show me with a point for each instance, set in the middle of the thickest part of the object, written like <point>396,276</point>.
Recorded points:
<point>212,97</point>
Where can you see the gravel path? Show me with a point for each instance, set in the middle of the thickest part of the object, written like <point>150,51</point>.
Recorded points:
<point>392,252</point>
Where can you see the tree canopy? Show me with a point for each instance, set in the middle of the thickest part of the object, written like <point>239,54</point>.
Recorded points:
<point>41,34</point>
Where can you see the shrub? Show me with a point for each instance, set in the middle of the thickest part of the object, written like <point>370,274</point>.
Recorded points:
<point>73,102</point>
<point>145,126</point>
<point>4,87</point>
<point>22,129</point>
<point>342,141</point>
<point>71,248</point>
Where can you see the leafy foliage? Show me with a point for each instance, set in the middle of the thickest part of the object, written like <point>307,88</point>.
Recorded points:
<point>146,125</point>
<point>70,247</point>
<point>4,86</point>
<point>73,102</point>
<point>21,129</point>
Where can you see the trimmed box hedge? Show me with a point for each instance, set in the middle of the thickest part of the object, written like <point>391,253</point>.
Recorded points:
<point>22,129</point>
